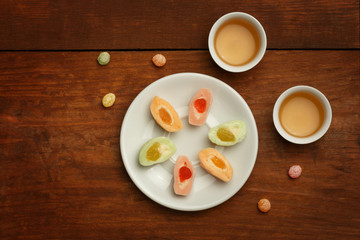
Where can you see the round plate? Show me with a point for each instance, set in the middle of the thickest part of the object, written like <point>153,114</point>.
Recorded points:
<point>157,181</point>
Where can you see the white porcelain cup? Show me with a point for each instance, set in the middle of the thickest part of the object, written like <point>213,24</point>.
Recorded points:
<point>327,115</point>
<point>258,27</point>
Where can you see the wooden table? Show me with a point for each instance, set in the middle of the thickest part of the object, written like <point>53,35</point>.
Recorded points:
<point>61,171</point>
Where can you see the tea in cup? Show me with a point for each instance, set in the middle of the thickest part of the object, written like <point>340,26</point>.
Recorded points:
<point>302,114</point>
<point>237,42</point>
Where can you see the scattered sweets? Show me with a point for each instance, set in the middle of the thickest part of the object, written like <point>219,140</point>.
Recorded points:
<point>108,100</point>
<point>103,58</point>
<point>156,150</point>
<point>199,107</point>
<point>183,176</point>
<point>159,60</point>
<point>295,171</point>
<point>228,134</point>
<point>165,115</point>
<point>216,164</point>
<point>264,205</point>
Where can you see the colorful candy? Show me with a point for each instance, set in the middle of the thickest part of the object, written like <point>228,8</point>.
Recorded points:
<point>295,171</point>
<point>159,60</point>
<point>108,100</point>
<point>103,58</point>
<point>264,205</point>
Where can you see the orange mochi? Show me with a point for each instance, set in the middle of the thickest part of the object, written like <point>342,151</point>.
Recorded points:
<point>165,115</point>
<point>183,176</point>
<point>199,107</point>
<point>216,164</point>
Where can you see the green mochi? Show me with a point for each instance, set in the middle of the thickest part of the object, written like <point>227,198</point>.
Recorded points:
<point>228,134</point>
<point>156,150</point>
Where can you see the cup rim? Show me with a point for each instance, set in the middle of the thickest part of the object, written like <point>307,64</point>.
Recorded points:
<point>327,118</point>
<point>259,28</point>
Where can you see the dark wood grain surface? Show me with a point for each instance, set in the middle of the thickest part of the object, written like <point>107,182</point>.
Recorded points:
<point>113,24</point>
<point>61,171</point>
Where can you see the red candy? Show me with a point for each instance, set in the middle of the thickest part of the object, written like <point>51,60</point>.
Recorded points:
<point>184,173</point>
<point>200,105</point>
<point>295,171</point>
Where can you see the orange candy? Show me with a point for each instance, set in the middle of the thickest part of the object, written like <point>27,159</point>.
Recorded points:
<point>165,115</point>
<point>264,205</point>
<point>159,60</point>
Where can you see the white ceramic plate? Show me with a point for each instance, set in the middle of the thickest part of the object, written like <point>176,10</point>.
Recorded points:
<point>157,181</point>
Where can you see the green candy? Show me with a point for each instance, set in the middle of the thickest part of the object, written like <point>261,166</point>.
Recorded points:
<point>103,58</point>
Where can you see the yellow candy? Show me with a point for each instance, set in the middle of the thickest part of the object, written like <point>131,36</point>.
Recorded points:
<point>108,100</point>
